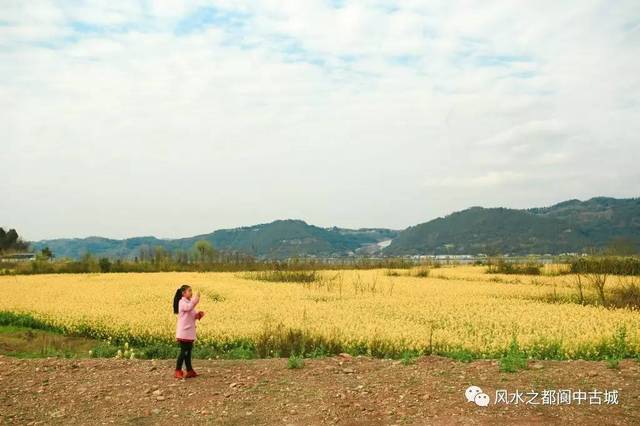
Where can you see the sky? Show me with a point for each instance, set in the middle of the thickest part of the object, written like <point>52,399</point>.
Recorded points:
<point>175,118</point>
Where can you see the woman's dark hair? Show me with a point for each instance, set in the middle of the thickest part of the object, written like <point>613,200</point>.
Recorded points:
<point>178,296</point>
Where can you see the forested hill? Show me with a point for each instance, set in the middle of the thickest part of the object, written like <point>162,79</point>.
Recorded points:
<point>279,239</point>
<point>570,226</point>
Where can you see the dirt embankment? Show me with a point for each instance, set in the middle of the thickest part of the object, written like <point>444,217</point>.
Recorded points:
<point>338,390</point>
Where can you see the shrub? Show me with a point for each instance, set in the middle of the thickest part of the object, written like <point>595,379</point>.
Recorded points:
<point>295,362</point>
<point>104,350</point>
<point>241,352</point>
<point>283,276</point>
<point>179,261</point>
<point>160,351</point>
<point>626,295</point>
<point>514,359</point>
<point>598,281</point>
<point>462,355</point>
<point>501,266</point>
<point>613,363</point>
<point>613,265</point>
<point>105,265</point>
<point>421,272</point>
<point>408,357</point>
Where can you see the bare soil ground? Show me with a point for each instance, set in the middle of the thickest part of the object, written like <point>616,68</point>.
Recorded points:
<point>337,390</point>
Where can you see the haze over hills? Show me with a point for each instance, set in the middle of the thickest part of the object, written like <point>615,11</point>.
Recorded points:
<point>276,240</point>
<point>569,226</point>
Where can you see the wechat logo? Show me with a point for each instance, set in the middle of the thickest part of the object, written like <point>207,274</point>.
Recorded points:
<point>475,394</point>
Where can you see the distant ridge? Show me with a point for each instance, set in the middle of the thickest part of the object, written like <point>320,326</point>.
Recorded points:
<point>568,226</point>
<point>276,240</point>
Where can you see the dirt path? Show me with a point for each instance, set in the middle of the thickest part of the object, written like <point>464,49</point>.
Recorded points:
<point>338,390</point>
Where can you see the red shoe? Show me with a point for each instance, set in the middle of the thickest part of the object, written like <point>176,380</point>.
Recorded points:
<point>179,374</point>
<point>190,374</point>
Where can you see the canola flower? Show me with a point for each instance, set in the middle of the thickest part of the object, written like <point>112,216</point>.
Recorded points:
<point>454,309</point>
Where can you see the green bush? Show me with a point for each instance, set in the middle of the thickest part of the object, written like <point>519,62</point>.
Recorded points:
<point>295,362</point>
<point>160,351</point>
<point>502,266</point>
<point>105,265</point>
<point>408,357</point>
<point>283,276</point>
<point>613,265</point>
<point>104,350</point>
<point>462,355</point>
<point>241,352</point>
<point>514,359</point>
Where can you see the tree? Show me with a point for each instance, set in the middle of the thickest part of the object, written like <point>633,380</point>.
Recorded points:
<point>11,241</point>
<point>161,257</point>
<point>88,263</point>
<point>204,250</point>
<point>181,256</point>
<point>144,252</point>
<point>11,238</point>
<point>597,274</point>
<point>105,265</point>
<point>46,253</point>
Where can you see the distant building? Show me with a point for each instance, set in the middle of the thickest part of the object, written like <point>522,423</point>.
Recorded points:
<point>18,257</point>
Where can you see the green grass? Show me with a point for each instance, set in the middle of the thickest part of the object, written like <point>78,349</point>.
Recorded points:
<point>295,362</point>
<point>462,355</point>
<point>241,353</point>
<point>24,342</point>
<point>408,358</point>
<point>513,360</point>
<point>25,320</point>
<point>613,363</point>
<point>5,329</point>
<point>104,350</point>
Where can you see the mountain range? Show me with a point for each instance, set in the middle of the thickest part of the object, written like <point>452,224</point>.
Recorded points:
<point>569,226</point>
<point>280,239</point>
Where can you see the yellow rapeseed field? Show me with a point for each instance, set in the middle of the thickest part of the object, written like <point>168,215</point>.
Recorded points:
<point>455,308</point>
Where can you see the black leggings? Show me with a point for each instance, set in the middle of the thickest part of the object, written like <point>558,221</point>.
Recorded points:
<point>184,355</point>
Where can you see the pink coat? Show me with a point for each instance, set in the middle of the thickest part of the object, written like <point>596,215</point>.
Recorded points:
<point>186,326</point>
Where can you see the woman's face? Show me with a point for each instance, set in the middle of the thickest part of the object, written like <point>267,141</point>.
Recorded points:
<point>187,293</point>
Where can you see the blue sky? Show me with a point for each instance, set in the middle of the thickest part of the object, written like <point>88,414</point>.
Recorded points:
<point>175,118</point>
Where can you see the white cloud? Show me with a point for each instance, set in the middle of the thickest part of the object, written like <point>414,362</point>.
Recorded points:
<point>523,132</point>
<point>487,181</point>
<point>174,118</point>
